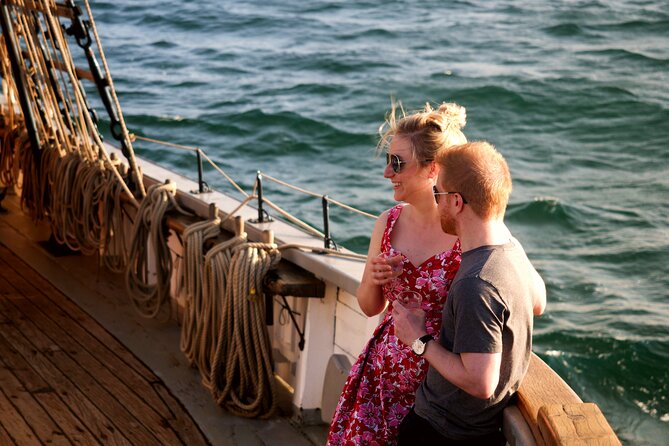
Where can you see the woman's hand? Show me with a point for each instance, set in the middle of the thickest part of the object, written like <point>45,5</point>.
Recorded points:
<point>385,269</point>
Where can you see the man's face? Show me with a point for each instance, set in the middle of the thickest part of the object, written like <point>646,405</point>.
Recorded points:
<point>445,206</point>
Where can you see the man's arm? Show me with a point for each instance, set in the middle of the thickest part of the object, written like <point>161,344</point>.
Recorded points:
<point>475,373</point>
<point>539,295</point>
<point>539,303</point>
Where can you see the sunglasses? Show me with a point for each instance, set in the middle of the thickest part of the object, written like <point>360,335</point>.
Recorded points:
<point>437,193</point>
<point>395,161</point>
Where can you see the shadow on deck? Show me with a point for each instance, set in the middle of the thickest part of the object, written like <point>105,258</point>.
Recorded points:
<point>65,379</point>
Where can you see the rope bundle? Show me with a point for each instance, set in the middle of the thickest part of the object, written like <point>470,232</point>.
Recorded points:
<point>216,276</point>
<point>115,249</point>
<point>190,281</point>
<point>242,379</point>
<point>148,233</point>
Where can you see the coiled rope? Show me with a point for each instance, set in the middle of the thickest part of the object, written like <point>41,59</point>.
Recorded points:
<point>242,379</point>
<point>216,276</point>
<point>191,283</point>
<point>115,248</point>
<point>149,236</point>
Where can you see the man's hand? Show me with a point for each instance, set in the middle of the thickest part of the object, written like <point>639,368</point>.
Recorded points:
<point>409,324</point>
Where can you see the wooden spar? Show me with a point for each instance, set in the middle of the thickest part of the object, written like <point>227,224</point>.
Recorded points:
<point>555,413</point>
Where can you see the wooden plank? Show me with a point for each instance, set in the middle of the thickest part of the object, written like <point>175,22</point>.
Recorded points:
<point>542,386</point>
<point>575,424</point>
<point>127,410</point>
<point>290,280</point>
<point>110,370</point>
<point>44,308</point>
<point>32,412</point>
<point>14,423</point>
<point>46,395</point>
<point>75,313</point>
<point>84,403</point>
<point>5,439</point>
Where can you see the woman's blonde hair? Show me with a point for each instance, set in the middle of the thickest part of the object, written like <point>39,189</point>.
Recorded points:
<point>429,131</point>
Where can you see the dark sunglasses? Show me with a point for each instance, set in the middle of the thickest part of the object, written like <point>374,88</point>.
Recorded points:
<point>437,193</point>
<point>395,161</point>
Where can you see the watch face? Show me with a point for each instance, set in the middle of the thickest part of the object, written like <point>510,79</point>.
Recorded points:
<point>418,347</point>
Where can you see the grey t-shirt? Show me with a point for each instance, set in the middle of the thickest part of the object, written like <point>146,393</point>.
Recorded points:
<point>488,310</point>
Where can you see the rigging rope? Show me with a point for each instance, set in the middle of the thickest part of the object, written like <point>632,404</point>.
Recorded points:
<point>242,378</point>
<point>149,237</point>
<point>191,283</point>
<point>216,276</point>
<point>124,129</point>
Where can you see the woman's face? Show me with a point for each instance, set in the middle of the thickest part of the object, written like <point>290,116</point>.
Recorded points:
<point>411,178</point>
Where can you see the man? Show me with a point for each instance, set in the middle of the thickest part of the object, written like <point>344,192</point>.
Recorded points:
<point>486,337</point>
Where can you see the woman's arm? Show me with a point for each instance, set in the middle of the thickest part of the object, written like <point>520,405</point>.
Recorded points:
<point>370,294</point>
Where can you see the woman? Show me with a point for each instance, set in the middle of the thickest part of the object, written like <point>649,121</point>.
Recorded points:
<point>380,388</point>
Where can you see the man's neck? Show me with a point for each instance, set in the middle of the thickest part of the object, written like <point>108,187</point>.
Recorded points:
<point>476,233</point>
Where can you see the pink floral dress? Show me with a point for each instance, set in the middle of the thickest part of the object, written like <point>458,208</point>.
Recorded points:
<point>381,387</point>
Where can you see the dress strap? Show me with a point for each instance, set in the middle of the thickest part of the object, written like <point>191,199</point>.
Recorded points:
<point>393,215</point>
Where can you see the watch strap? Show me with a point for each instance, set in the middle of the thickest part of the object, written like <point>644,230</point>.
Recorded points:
<point>426,338</point>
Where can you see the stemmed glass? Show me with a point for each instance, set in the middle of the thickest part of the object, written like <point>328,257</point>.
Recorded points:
<point>395,262</point>
<point>410,299</point>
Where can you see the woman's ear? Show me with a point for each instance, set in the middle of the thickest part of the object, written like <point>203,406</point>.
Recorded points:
<point>434,170</point>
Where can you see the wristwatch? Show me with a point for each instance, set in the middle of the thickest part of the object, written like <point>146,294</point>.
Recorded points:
<point>418,346</point>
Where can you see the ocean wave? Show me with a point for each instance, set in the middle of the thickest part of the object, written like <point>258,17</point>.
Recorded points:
<point>618,55</point>
<point>565,30</point>
<point>645,27</point>
<point>371,33</point>
<point>331,65</point>
<point>500,95</point>
<point>545,211</point>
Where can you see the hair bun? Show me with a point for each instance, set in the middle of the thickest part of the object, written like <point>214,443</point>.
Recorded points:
<point>452,114</point>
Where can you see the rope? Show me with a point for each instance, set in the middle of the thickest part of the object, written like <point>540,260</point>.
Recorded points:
<point>115,249</point>
<point>117,104</point>
<point>169,144</point>
<point>295,220</point>
<point>242,379</point>
<point>191,282</point>
<point>224,174</point>
<point>215,279</point>
<point>334,252</point>
<point>314,194</point>
<point>148,233</point>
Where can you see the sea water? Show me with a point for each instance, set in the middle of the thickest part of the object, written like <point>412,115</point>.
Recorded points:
<point>574,93</point>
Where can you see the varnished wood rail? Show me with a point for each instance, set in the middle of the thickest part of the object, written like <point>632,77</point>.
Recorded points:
<point>554,413</point>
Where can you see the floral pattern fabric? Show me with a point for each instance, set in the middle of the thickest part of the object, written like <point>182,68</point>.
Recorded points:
<point>381,386</point>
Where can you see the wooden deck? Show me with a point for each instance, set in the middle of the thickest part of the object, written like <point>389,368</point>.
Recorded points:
<point>64,379</point>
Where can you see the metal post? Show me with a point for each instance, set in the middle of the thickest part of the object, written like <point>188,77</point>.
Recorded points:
<point>202,185</point>
<point>328,243</point>
<point>263,216</point>
<point>199,171</point>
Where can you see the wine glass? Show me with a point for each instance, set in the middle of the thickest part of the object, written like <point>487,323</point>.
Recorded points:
<point>410,299</point>
<point>395,262</point>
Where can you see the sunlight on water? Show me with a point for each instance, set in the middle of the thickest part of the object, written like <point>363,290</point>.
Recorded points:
<point>574,94</point>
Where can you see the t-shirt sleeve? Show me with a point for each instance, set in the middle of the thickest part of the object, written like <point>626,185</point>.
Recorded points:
<point>479,315</point>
